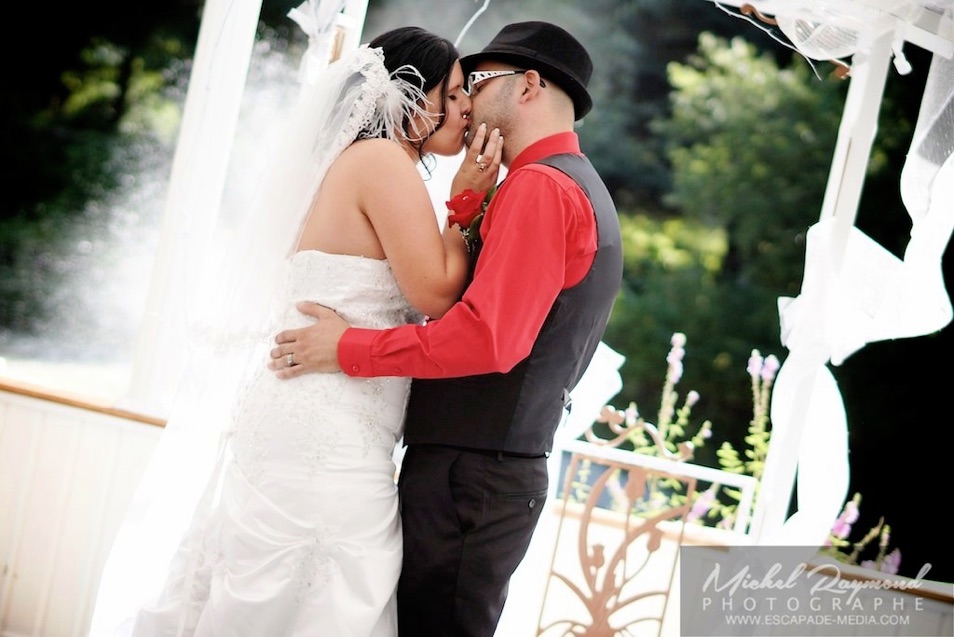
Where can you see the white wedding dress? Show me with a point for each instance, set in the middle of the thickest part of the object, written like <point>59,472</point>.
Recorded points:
<point>304,537</point>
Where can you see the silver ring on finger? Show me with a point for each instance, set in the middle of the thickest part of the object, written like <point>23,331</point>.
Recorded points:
<point>290,360</point>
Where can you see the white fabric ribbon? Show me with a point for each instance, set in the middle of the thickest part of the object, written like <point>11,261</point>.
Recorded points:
<point>866,295</point>
<point>317,18</point>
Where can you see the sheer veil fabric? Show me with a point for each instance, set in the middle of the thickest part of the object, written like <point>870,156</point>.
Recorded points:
<point>228,339</point>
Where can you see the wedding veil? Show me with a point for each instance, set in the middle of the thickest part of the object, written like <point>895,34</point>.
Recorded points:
<point>230,318</point>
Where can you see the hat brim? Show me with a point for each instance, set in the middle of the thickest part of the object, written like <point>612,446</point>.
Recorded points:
<point>582,102</point>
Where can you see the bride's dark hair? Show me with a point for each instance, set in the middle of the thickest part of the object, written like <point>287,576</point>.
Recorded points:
<point>431,55</point>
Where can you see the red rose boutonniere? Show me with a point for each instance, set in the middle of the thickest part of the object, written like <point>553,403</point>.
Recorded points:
<point>467,211</point>
<point>465,207</point>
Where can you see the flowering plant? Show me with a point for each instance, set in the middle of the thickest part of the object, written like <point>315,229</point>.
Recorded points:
<point>668,438</point>
<point>664,438</point>
<point>762,371</point>
<point>838,546</point>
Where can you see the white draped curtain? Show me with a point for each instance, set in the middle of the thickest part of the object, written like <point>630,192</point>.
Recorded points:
<point>197,182</point>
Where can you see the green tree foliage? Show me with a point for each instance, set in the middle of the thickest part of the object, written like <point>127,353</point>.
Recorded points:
<point>110,115</point>
<point>670,269</point>
<point>751,145</point>
<point>44,113</point>
<point>633,43</point>
<point>736,243</point>
<point>672,283</point>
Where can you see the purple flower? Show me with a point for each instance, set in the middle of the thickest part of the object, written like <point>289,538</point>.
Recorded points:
<point>850,514</point>
<point>674,373</point>
<point>754,367</point>
<point>702,504</point>
<point>770,367</point>
<point>892,562</point>
<point>841,528</point>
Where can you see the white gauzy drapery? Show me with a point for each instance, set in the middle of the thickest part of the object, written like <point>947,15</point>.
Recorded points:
<point>211,292</point>
<point>210,116</point>
<point>197,182</point>
<point>854,291</point>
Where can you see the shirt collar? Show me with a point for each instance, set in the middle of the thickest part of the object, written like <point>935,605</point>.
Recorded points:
<point>567,142</point>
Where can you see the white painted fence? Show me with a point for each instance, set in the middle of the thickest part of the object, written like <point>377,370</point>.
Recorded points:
<point>67,473</point>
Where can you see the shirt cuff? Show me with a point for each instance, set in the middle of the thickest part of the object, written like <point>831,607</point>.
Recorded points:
<point>354,351</point>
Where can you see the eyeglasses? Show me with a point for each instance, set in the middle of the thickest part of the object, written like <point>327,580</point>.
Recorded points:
<point>477,77</point>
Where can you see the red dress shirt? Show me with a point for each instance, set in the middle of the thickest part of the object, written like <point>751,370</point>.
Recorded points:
<point>539,236</point>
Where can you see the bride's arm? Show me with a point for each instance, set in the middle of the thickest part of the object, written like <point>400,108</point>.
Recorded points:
<point>429,261</point>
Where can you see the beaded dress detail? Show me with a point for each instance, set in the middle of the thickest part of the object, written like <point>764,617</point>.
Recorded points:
<point>304,537</point>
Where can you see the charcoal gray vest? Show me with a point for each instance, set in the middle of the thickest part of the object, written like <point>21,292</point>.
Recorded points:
<point>519,411</point>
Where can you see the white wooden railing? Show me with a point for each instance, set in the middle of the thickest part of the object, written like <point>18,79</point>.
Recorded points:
<point>68,468</point>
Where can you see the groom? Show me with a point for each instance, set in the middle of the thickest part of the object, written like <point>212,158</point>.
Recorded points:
<point>493,375</point>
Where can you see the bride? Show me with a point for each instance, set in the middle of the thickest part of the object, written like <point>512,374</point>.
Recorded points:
<point>297,531</point>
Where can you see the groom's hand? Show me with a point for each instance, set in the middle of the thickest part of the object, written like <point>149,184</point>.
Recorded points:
<point>309,349</point>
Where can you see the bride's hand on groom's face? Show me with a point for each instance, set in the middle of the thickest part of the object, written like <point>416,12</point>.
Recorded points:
<point>481,164</point>
<point>309,349</point>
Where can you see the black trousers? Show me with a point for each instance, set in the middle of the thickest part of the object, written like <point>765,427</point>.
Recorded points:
<point>467,519</point>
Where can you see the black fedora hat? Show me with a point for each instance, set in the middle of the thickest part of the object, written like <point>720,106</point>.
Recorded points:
<point>546,48</point>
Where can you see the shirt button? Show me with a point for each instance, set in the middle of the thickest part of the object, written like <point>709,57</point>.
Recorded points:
<point>532,503</point>
<point>356,368</point>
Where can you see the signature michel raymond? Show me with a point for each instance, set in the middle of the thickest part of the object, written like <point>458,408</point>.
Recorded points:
<point>823,578</point>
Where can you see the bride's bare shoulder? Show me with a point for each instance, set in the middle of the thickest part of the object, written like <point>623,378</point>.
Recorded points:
<point>374,152</point>
<point>373,164</point>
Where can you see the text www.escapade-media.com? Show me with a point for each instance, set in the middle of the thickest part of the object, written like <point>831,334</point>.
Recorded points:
<point>816,620</point>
